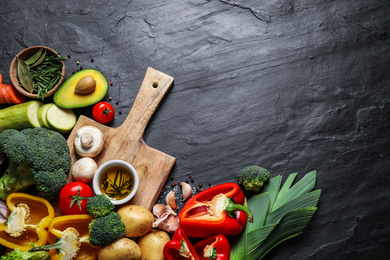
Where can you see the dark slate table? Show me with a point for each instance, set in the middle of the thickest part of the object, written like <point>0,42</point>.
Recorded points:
<point>292,86</point>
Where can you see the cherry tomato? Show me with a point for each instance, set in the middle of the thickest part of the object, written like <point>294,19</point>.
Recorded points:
<point>73,198</point>
<point>103,112</point>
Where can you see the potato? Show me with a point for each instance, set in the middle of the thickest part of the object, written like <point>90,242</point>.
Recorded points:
<point>138,220</point>
<point>152,244</point>
<point>121,249</point>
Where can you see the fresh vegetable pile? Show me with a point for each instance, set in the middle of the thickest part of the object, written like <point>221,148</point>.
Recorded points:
<point>220,222</point>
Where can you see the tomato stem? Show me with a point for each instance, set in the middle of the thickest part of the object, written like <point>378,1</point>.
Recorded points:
<point>106,111</point>
<point>77,199</point>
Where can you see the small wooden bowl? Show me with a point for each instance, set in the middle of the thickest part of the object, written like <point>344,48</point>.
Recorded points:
<point>23,55</point>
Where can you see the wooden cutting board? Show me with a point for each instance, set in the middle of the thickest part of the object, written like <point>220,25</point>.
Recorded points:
<point>126,141</point>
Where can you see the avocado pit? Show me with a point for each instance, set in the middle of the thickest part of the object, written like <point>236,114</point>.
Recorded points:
<point>86,85</point>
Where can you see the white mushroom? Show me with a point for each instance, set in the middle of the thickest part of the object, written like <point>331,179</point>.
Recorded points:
<point>84,169</point>
<point>88,141</point>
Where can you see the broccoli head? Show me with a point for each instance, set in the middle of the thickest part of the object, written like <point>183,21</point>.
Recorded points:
<point>18,254</point>
<point>99,206</point>
<point>107,229</point>
<point>37,156</point>
<point>253,177</point>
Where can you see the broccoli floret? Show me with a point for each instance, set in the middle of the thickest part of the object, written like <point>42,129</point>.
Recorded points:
<point>49,181</point>
<point>67,246</point>
<point>253,177</point>
<point>37,156</point>
<point>18,254</point>
<point>99,206</point>
<point>107,229</point>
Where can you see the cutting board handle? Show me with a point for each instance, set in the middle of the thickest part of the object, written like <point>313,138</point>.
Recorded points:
<point>153,90</point>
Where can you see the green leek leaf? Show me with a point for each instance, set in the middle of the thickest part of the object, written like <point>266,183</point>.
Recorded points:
<point>238,248</point>
<point>272,187</point>
<point>307,200</point>
<point>258,205</point>
<point>287,184</point>
<point>292,224</point>
<point>306,184</point>
<point>257,236</point>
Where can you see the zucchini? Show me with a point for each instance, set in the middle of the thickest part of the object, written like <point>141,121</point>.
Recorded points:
<point>42,115</point>
<point>60,119</point>
<point>20,116</point>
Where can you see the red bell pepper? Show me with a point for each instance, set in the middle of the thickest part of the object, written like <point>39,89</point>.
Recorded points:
<point>180,247</point>
<point>215,248</point>
<point>216,210</point>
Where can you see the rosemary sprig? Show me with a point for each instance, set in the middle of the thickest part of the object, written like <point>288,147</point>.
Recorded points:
<point>120,187</point>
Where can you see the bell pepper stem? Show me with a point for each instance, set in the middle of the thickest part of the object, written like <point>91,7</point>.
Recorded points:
<point>232,207</point>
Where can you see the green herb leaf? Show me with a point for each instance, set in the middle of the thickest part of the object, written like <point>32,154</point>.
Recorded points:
<point>34,58</point>
<point>40,60</point>
<point>25,76</point>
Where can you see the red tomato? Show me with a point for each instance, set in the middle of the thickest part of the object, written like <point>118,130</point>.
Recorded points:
<point>73,198</point>
<point>103,112</point>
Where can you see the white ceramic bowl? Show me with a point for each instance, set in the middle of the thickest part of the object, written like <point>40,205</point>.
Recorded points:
<point>112,163</point>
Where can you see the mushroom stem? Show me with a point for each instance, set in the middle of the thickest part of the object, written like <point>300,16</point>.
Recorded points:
<point>86,140</point>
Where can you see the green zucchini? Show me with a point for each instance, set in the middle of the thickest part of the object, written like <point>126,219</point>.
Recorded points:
<point>42,115</point>
<point>60,119</point>
<point>20,116</point>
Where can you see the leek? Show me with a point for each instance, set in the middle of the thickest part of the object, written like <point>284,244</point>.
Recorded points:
<point>281,212</point>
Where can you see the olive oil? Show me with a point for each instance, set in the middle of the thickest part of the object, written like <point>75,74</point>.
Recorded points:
<point>116,182</point>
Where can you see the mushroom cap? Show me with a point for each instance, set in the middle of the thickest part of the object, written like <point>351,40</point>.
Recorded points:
<point>88,141</point>
<point>84,169</point>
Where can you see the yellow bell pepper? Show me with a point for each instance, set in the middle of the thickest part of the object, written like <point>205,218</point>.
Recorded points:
<point>29,224</point>
<point>81,224</point>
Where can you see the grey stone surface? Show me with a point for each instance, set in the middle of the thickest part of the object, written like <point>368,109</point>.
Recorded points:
<point>292,86</point>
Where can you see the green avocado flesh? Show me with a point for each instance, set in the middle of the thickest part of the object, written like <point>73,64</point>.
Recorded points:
<point>65,96</point>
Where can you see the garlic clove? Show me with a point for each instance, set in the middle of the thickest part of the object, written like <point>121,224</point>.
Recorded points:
<point>170,200</point>
<point>165,218</point>
<point>186,190</point>
<point>159,209</point>
<point>171,225</point>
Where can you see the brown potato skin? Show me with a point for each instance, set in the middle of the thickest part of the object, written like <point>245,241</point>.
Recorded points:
<point>122,249</point>
<point>137,219</point>
<point>152,244</point>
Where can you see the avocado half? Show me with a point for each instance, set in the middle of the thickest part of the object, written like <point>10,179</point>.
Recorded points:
<point>66,98</point>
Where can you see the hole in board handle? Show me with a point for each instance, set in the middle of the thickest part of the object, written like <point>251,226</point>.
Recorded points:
<point>155,84</point>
